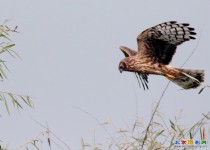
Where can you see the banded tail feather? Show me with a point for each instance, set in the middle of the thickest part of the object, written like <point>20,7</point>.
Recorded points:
<point>187,78</point>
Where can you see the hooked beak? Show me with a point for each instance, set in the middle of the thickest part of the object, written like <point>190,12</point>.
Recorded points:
<point>121,70</point>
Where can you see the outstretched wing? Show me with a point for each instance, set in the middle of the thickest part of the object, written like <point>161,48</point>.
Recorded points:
<point>160,42</point>
<point>141,78</point>
<point>127,51</point>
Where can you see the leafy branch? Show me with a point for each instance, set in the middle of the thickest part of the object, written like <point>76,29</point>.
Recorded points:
<point>15,99</point>
<point>6,46</point>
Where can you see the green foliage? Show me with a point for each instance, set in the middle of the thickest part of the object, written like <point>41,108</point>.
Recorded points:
<point>160,136</point>
<point>15,100</point>
<point>6,46</point>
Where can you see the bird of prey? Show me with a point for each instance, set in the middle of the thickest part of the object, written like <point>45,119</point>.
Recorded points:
<point>156,47</point>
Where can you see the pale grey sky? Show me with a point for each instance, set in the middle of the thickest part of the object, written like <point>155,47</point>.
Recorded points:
<point>70,55</point>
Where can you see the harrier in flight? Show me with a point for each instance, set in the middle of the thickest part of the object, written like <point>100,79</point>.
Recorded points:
<point>156,47</point>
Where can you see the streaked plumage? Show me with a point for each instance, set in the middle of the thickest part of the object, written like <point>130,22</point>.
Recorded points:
<point>156,47</point>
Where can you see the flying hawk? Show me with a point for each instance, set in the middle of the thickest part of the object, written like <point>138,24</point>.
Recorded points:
<point>156,47</point>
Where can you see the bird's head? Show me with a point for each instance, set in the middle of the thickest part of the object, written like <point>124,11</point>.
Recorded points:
<point>125,64</point>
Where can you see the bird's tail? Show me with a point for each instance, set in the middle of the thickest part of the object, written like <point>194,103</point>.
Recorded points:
<point>187,78</point>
